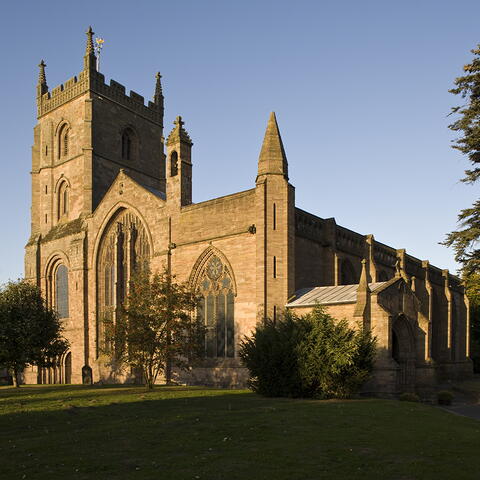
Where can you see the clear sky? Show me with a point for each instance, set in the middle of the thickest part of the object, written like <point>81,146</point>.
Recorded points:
<point>360,89</point>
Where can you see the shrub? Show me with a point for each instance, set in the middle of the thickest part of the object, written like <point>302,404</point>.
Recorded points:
<point>409,397</point>
<point>444,397</point>
<point>309,356</point>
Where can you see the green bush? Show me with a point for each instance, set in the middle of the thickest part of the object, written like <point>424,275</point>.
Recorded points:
<point>444,397</point>
<point>409,397</point>
<point>309,356</point>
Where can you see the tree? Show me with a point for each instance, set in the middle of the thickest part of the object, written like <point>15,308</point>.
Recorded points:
<point>155,329</point>
<point>465,240</point>
<point>30,331</point>
<point>309,356</point>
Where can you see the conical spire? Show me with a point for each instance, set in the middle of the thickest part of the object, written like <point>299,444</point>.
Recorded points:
<point>89,60</point>
<point>42,86</point>
<point>363,283</point>
<point>158,97</point>
<point>272,159</point>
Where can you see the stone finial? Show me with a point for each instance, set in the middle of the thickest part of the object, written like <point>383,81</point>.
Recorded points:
<point>272,159</point>
<point>179,134</point>
<point>89,60</point>
<point>158,97</point>
<point>42,79</point>
<point>89,49</point>
<point>42,86</point>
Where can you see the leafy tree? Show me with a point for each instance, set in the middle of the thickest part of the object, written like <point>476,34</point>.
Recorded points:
<point>465,240</point>
<point>155,329</point>
<point>309,356</point>
<point>30,331</point>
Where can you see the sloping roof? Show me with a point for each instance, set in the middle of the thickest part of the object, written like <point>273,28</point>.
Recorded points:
<point>156,192</point>
<point>307,297</point>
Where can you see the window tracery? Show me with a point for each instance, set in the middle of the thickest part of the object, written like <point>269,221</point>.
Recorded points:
<point>216,308</point>
<point>124,249</point>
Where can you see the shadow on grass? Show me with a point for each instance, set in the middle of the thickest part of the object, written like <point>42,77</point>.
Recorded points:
<point>188,433</point>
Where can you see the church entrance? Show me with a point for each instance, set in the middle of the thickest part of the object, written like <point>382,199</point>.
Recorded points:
<point>403,352</point>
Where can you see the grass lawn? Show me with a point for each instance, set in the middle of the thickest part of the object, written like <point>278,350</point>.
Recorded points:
<point>76,432</point>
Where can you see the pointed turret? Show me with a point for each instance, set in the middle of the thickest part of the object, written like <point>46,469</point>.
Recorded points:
<point>179,166</point>
<point>363,295</point>
<point>179,134</point>
<point>158,97</point>
<point>272,158</point>
<point>89,60</point>
<point>42,86</point>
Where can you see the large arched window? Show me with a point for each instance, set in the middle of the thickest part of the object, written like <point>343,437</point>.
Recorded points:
<point>63,141</point>
<point>61,291</point>
<point>124,249</point>
<point>62,200</point>
<point>216,307</point>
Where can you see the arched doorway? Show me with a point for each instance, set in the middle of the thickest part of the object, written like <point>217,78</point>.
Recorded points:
<point>68,368</point>
<point>403,352</point>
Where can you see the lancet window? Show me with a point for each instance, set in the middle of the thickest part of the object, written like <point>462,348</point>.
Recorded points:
<point>216,308</point>
<point>124,250</point>
<point>63,141</point>
<point>62,200</point>
<point>61,291</point>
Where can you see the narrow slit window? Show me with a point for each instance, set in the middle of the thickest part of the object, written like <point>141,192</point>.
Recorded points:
<point>274,216</point>
<point>274,313</point>
<point>274,267</point>
<point>46,189</point>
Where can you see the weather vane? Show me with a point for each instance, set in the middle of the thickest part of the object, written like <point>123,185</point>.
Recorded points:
<point>98,48</point>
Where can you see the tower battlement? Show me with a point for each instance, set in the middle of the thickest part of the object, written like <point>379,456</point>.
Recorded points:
<point>95,82</point>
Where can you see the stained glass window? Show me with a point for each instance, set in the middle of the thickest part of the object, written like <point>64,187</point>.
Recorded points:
<point>124,249</point>
<point>61,291</point>
<point>216,309</point>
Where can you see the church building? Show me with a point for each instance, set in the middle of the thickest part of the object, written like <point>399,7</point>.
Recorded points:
<point>110,194</point>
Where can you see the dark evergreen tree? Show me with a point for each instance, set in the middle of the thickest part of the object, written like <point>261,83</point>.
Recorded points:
<point>465,241</point>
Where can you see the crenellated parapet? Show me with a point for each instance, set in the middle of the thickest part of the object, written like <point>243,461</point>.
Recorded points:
<point>93,81</point>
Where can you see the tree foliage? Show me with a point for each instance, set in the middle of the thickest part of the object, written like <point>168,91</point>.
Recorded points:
<point>309,356</point>
<point>467,124</point>
<point>30,331</point>
<point>155,328</point>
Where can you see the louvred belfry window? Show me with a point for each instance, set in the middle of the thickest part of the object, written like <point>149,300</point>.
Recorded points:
<point>216,309</point>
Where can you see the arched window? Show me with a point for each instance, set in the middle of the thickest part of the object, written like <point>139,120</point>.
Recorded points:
<point>128,144</point>
<point>124,249</point>
<point>63,141</point>
<point>348,276</point>
<point>62,200</point>
<point>216,308</point>
<point>173,163</point>
<point>61,291</point>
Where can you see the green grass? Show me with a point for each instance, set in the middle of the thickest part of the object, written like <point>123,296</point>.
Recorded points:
<point>75,432</point>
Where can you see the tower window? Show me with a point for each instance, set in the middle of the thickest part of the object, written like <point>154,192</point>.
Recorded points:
<point>63,141</point>
<point>274,267</point>
<point>128,144</point>
<point>62,200</point>
<point>173,164</point>
<point>46,189</point>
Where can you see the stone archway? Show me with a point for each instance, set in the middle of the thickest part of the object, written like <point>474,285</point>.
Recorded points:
<point>68,368</point>
<point>404,354</point>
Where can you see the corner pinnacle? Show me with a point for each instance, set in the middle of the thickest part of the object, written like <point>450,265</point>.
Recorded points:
<point>158,96</point>
<point>272,159</point>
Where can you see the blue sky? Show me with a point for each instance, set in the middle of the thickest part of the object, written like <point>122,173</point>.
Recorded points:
<point>360,90</point>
